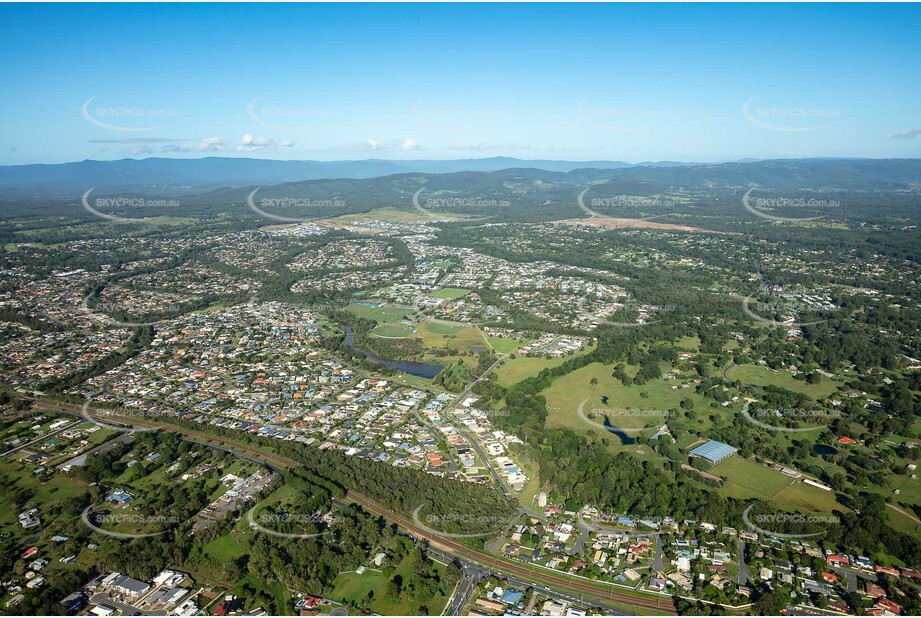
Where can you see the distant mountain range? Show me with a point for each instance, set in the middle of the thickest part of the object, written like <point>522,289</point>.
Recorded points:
<point>194,176</point>
<point>163,175</point>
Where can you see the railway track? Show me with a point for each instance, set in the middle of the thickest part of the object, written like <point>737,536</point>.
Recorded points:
<point>457,549</point>
<point>446,545</point>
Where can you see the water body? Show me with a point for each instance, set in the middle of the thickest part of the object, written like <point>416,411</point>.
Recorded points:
<point>824,451</point>
<point>624,438</point>
<point>413,368</point>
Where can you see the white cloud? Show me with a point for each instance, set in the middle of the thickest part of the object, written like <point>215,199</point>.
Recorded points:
<point>372,144</point>
<point>249,143</point>
<point>907,134</point>
<point>209,144</point>
<point>409,144</point>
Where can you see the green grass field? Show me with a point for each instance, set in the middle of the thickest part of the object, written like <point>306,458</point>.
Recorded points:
<point>517,369</point>
<point>385,314</point>
<point>443,328</point>
<point>633,409</point>
<point>805,498</point>
<point>505,345</point>
<point>437,335</point>
<point>688,343</point>
<point>763,376</point>
<point>393,331</point>
<point>449,293</point>
<point>352,587</point>
<point>746,478</point>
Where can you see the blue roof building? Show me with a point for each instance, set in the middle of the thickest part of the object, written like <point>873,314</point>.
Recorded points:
<point>714,451</point>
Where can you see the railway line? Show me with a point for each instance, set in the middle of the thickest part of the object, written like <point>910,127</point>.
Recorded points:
<point>446,545</point>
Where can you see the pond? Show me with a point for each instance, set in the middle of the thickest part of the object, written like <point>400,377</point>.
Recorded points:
<point>823,450</point>
<point>413,368</point>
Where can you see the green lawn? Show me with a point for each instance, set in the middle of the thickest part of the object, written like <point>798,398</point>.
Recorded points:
<point>504,345</point>
<point>517,369</point>
<point>225,548</point>
<point>443,328</point>
<point>691,343</point>
<point>630,408</point>
<point>354,588</point>
<point>436,335</point>
<point>393,331</point>
<point>449,293</point>
<point>385,313</point>
<point>763,376</point>
<point>805,498</point>
<point>746,478</point>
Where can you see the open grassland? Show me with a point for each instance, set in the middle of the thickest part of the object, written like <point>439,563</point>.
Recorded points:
<point>629,406</point>
<point>354,588</point>
<point>763,376</point>
<point>504,345</point>
<point>517,369</point>
<point>746,478</point>
<point>449,293</point>
<point>383,314</point>
<point>456,337</point>
<point>443,328</point>
<point>393,331</point>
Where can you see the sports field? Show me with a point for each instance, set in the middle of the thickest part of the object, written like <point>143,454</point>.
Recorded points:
<point>384,314</point>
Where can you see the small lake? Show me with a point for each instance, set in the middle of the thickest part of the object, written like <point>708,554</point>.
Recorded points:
<point>413,368</point>
<point>823,450</point>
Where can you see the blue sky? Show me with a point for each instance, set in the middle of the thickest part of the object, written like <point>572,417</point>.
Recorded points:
<point>578,82</point>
